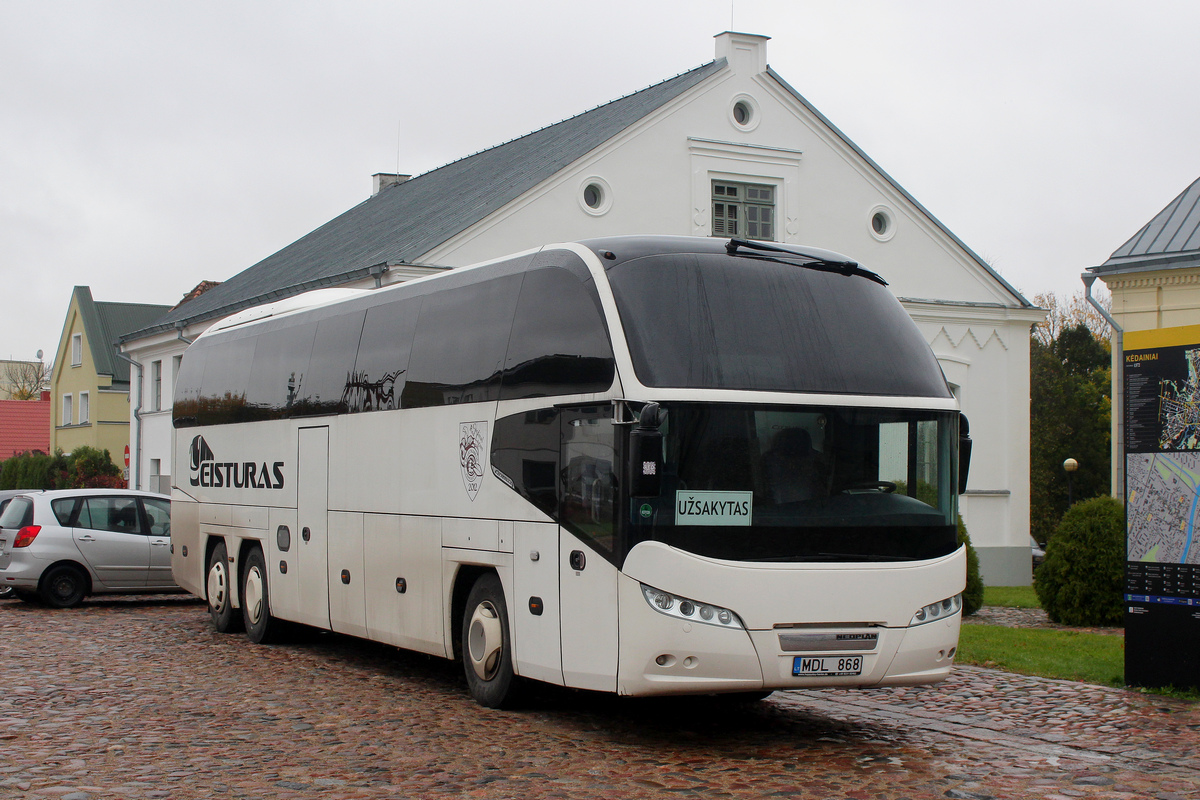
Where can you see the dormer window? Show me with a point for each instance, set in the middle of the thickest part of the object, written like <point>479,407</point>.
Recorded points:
<point>743,209</point>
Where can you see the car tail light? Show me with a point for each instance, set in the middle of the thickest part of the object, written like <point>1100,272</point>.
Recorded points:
<point>26,535</point>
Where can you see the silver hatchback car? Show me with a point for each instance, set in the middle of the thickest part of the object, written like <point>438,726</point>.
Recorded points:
<point>63,545</point>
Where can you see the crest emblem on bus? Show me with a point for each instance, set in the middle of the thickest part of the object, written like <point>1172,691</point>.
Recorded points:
<point>472,455</point>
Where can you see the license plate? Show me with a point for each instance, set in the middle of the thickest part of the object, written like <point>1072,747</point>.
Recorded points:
<point>827,666</point>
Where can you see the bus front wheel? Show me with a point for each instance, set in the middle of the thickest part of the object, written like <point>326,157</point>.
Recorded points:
<point>220,605</point>
<point>486,653</point>
<point>256,600</point>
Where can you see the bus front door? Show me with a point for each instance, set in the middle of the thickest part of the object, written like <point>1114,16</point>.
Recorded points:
<point>587,579</point>
<point>312,519</point>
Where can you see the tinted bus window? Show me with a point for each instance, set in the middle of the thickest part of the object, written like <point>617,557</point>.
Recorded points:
<point>710,321</point>
<point>458,352</point>
<point>325,386</point>
<point>223,387</point>
<point>559,343</point>
<point>383,353</point>
<point>187,387</point>
<point>280,362</point>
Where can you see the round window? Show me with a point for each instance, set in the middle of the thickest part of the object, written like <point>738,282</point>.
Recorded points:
<point>741,113</point>
<point>881,223</point>
<point>593,195</point>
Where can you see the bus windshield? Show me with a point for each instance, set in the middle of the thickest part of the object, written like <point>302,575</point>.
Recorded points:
<point>715,321</point>
<point>787,483</point>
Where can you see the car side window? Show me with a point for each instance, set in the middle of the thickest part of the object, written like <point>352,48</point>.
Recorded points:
<point>116,514</point>
<point>63,508</point>
<point>158,514</point>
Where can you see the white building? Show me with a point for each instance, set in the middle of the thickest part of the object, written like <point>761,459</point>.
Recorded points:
<point>728,148</point>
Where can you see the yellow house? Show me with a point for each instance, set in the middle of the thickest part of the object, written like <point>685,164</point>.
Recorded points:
<point>1155,283</point>
<point>90,384</point>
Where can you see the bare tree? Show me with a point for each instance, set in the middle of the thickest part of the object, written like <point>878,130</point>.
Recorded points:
<point>26,379</point>
<point>1071,312</point>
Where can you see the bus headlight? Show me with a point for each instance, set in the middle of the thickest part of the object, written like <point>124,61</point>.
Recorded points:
<point>939,610</point>
<point>690,610</point>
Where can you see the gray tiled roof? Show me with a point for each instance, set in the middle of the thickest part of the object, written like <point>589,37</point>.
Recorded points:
<point>403,222</point>
<point>1169,241</point>
<point>105,323</point>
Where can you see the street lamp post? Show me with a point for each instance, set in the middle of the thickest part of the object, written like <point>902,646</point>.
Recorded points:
<point>1069,466</point>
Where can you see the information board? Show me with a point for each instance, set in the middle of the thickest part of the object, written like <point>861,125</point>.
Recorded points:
<point>1162,495</point>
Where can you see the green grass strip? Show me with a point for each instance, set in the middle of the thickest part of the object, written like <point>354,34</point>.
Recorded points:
<point>1010,596</point>
<point>1068,655</point>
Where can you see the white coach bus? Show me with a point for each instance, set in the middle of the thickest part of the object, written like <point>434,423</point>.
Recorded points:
<point>641,465</point>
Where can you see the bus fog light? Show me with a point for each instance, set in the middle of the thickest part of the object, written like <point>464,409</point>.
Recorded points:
<point>942,608</point>
<point>665,660</point>
<point>683,608</point>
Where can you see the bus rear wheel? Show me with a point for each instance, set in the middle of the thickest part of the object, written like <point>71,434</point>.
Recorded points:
<point>486,652</point>
<point>261,627</point>
<point>220,604</point>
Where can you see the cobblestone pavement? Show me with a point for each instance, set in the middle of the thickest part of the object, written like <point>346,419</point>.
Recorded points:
<point>1028,618</point>
<point>139,698</point>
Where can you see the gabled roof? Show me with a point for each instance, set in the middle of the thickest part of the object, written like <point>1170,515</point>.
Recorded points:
<point>105,323</point>
<point>405,221</point>
<point>1169,241</point>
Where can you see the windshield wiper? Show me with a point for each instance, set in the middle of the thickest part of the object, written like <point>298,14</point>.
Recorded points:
<point>813,262</point>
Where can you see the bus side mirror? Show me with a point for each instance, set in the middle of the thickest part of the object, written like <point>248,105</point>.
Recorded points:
<point>646,454</point>
<point>964,452</point>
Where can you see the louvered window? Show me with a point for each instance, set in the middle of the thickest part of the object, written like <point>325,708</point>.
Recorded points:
<point>746,210</point>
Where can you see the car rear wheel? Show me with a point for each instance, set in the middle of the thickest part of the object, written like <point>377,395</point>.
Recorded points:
<point>63,586</point>
<point>225,617</point>
<point>6,592</point>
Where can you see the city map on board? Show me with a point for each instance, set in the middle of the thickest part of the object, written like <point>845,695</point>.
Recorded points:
<point>1179,408</point>
<point>1162,498</point>
<point>1162,481</point>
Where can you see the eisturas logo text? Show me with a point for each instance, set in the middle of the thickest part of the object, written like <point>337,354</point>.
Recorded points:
<point>206,471</point>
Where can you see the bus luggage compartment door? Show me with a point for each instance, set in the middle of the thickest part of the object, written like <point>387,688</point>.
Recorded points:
<point>312,521</point>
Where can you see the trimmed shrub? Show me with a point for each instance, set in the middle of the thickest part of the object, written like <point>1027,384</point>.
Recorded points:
<point>90,468</point>
<point>86,468</point>
<point>1082,580</point>
<point>31,470</point>
<point>973,594</point>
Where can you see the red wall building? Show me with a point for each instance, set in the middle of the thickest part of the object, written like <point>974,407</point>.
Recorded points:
<point>24,425</point>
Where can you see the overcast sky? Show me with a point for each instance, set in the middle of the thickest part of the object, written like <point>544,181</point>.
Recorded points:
<point>145,146</point>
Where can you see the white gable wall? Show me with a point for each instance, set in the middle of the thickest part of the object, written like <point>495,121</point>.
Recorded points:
<point>657,177</point>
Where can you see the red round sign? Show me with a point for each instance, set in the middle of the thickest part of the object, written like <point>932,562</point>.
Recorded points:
<point>127,455</point>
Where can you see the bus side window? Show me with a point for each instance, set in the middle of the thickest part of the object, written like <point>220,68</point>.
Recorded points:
<point>589,481</point>
<point>323,389</point>
<point>458,351</point>
<point>280,363</point>
<point>223,390</point>
<point>559,342</point>
<point>525,450</point>
<point>383,355</point>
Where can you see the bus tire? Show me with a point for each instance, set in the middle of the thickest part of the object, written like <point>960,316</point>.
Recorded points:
<point>261,627</point>
<point>217,587</point>
<point>486,652</point>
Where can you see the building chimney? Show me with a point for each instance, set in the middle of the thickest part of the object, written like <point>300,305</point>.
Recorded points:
<point>386,180</point>
<point>745,52</point>
<point>45,396</point>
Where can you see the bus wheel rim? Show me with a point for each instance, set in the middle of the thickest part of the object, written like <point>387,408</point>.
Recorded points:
<point>254,594</point>
<point>485,641</point>
<point>216,585</point>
